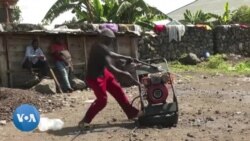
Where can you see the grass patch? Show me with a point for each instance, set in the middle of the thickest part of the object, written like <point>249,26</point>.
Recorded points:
<point>215,64</point>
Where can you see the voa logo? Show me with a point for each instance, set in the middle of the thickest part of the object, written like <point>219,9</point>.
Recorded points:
<point>26,118</point>
<point>30,118</point>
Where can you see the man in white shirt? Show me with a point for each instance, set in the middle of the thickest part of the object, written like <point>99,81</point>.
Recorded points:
<point>34,58</point>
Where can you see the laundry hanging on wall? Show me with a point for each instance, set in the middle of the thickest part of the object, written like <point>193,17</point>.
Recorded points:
<point>175,30</point>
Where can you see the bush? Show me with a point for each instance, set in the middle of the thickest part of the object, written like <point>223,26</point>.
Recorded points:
<point>242,15</point>
<point>243,66</point>
<point>217,62</point>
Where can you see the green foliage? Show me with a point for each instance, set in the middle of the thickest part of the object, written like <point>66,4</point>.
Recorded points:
<point>225,18</point>
<point>242,15</point>
<point>217,62</point>
<point>72,21</point>
<point>98,10</point>
<point>197,18</point>
<point>117,11</point>
<point>16,14</point>
<point>243,67</point>
<point>146,21</point>
<point>177,66</point>
<point>58,8</point>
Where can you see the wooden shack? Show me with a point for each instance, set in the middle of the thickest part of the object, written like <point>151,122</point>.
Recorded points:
<point>13,45</point>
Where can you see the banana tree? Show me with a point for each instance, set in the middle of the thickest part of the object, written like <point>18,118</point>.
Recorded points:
<point>242,15</point>
<point>58,8</point>
<point>226,18</point>
<point>196,18</point>
<point>119,11</point>
<point>89,10</point>
<point>132,10</point>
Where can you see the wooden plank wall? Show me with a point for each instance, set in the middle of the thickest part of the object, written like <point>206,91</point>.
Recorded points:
<point>3,65</point>
<point>124,45</point>
<point>45,42</point>
<point>76,48</point>
<point>16,45</point>
<point>78,45</point>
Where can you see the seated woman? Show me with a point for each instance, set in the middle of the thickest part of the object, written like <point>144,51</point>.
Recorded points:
<point>34,58</point>
<point>62,59</point>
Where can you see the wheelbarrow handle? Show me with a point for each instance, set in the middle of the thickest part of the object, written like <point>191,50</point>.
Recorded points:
<point>144,63</point>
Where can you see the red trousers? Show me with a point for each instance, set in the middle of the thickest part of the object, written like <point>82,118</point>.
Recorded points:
<point>107,83</point>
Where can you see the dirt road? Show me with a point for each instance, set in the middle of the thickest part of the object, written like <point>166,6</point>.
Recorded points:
<point>212,108</point>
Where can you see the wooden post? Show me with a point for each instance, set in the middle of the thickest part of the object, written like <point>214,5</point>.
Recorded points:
<point>131,47</point>
<point>3,64</point>
<point>85,51</point>
<point>134,47</point>
<point>5,45</point>
<point>82,44</point>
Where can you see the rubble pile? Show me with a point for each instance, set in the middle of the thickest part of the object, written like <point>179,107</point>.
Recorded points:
<point>10,99</point>
<point>21,27</point>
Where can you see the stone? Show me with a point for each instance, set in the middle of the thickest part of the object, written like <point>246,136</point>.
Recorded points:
<point>3,122</point>
<point>114,119</point>
<point>199,112</point>
<point>190,135</point>
<point>32,82</point>
<point>210,119</point>
<point>205,77</point>
<point>46,86</point>
<point>190,59</point>
<point>78,84</point>
<point>134,135</point>
<point>217,112</point>
<point>27,27</point>
<point>72,106</point>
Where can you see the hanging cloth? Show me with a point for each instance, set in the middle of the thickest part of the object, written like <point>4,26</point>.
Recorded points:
<point>176,30</point>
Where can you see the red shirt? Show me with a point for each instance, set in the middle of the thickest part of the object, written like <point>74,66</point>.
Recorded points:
<point>55,50</point>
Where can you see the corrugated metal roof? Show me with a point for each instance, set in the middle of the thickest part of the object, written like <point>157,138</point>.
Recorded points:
<point>212,6</point>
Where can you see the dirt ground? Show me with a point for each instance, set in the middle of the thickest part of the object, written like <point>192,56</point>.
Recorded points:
<point>213,107</point>
<point>10,99</point>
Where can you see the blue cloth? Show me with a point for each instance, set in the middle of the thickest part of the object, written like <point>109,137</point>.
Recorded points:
<point>62,68</point>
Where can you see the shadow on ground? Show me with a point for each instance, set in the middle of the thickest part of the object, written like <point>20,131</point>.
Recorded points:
<point>96,128</point>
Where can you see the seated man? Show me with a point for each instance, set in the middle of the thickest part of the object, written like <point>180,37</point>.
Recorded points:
<point>34,58</point>
<point>62,59</point>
